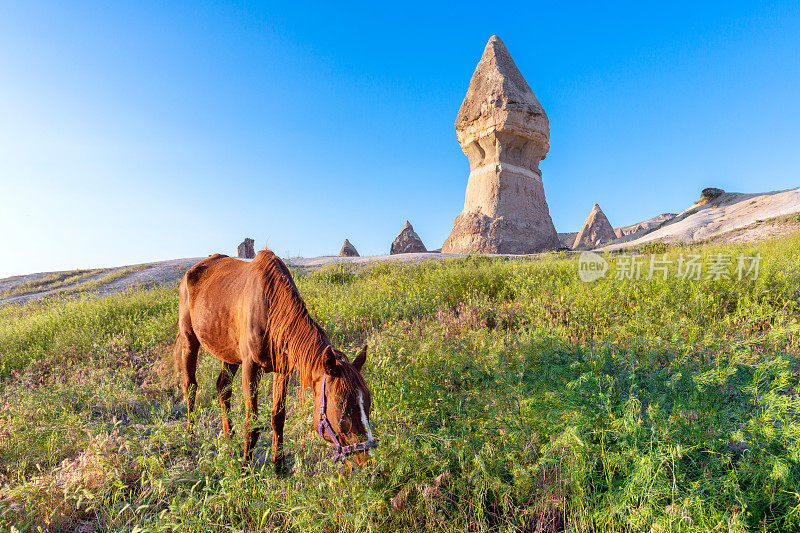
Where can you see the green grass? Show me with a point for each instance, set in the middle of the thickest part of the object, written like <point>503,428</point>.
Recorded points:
<point>508,395</point>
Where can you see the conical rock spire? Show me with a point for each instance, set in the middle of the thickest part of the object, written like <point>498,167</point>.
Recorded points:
<point>348,250</point>
<point>596,230</point>
<point>407,242</point>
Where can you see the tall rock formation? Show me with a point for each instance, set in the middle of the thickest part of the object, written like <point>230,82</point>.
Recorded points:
<point>407,242</point>
<point>503,130</point>
<point>348,250</point>
<point>596,230</point>
<point>246,250</point>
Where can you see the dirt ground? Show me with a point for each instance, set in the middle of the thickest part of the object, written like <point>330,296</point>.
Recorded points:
<point>157,273</point>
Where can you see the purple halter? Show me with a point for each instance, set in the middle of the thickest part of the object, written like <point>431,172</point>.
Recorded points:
<point>325,426</point>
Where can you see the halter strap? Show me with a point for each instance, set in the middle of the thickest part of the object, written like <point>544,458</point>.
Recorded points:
<point>325,427</point>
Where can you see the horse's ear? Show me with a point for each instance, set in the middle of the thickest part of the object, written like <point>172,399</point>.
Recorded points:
<point>329,361</point>
<point>360,358</point>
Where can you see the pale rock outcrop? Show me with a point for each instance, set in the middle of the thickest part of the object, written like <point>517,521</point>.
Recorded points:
<point>407,242</point>
<point>644,226</point>
<point>348,250</point>
<point>726,213</point>
<point>596,230</point>
<point>246,250</point>
<point>504,131</point>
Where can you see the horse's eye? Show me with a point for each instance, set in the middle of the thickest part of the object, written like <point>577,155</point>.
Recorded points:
<point>344,424</point>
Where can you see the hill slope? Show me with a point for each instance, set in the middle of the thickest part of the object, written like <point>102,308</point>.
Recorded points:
<point>730,211</point>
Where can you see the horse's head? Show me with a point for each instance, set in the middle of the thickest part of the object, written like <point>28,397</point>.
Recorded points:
<point>343,406</point>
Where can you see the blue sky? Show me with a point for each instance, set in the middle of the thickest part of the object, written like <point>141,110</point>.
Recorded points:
<point>139,131</point>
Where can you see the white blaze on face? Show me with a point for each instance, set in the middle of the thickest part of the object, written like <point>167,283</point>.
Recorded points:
<point>364,420</point>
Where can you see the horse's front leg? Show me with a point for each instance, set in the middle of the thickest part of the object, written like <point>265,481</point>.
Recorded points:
<point>251,374</point>
<point>279,383</point>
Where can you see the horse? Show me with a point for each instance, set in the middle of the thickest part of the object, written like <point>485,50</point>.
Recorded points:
<point>251,315</point>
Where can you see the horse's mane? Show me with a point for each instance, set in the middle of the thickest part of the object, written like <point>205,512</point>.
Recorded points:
<point>289,324</point>
<point>290,327</point>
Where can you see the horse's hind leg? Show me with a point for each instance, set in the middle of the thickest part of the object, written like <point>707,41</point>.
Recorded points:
<point>251,374</point>
<point>278,418</point>
<point>190,347</point>
<point>224,391</point>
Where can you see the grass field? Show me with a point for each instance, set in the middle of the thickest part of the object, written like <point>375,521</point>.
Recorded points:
<point>508,395</point>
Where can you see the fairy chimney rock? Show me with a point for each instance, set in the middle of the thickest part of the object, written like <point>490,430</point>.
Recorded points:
<point>504,132</point>
<point>246,249</point>
<point>407,242</point>
<point>348,250</point>
<point>596,230</point>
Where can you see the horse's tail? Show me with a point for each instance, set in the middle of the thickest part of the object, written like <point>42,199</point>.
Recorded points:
<point>177,348</point>
<point>169,366</point>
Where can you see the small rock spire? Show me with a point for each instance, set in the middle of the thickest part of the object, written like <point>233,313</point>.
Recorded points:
<point>348,250</point>
<point>595,231</point>
<point>407,242</point>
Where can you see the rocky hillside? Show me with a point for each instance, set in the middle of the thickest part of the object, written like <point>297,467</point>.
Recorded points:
<point>568,238</point>
<point>729,216</point>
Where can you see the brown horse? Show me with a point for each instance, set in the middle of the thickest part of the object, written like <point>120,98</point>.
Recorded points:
<point>251,315</point>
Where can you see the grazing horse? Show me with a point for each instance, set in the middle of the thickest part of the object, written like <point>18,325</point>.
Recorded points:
<point>251,315</point>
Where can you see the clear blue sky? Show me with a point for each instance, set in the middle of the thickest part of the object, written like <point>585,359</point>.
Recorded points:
<point>139,131</point>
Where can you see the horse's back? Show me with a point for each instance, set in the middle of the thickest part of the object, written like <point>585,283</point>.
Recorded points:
<point>210,296</point>
<point>222,301</point>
